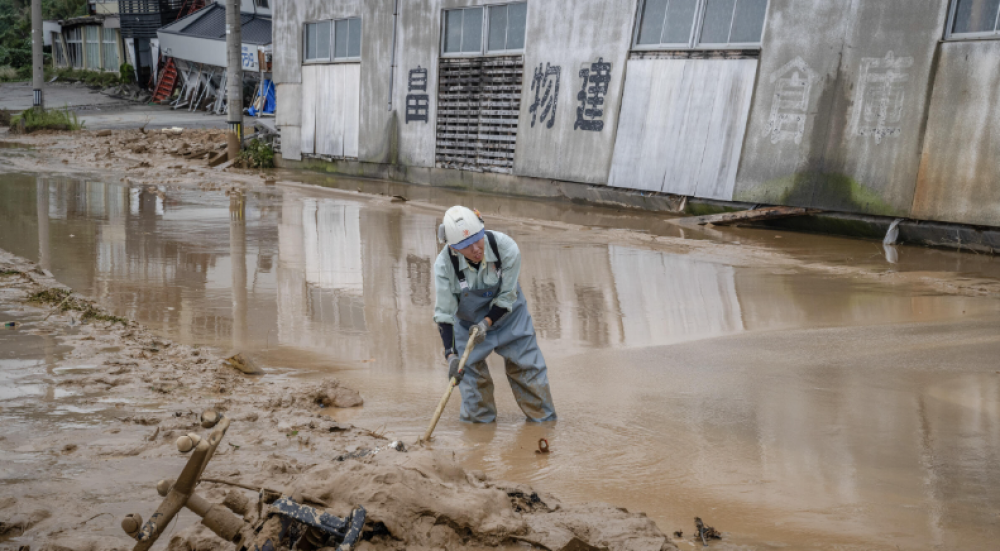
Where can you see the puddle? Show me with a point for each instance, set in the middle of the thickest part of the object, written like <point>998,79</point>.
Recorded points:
<point>779,403</point>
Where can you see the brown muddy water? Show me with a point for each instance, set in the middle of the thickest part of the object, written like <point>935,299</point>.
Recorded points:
<point>788,397</point>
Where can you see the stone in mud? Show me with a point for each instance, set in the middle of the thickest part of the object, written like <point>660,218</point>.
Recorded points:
<point>244,364</point>
<point>102,133</point>
<point>331,394</point>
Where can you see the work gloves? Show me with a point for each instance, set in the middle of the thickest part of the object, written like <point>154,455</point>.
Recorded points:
<point>481,335</point>
<point>453,369</point>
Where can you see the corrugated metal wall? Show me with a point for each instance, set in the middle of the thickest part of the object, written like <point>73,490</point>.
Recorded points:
<point>682,124</point>
<point>331,109</point>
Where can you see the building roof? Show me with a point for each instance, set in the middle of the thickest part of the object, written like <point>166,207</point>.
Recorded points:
<point>85,20</point>
<point>210,22</point>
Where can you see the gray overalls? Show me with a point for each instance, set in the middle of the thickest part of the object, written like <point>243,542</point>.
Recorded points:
<point>513,338</point>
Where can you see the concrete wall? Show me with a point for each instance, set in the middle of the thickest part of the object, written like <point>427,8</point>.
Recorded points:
<point>572,35</point>
<point>867,65</point>
<point>857,105</point>
<point>376,45</point>
<point>959,177</point>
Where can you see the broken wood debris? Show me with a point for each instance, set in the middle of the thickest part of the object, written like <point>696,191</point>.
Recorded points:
<point>754,215</point>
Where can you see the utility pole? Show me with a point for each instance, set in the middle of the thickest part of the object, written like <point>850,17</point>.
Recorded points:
<point>37,60</point>
<point>234,78</point>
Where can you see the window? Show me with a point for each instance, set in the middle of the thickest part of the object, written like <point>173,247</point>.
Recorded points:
<point>463,31</point>
<point>74,41</point>
<point>262,4</point>
<point>93,47</point>
<point>110,49</point>
<point>343,35</point>
<point>700,23</point>
<point>974,19</point>
<point>317,41</point>
<point>504,25</point>
<point>57,50</point>
<point>347,35</point>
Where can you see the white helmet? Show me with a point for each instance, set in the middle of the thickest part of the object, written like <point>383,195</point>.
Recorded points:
<point>462,227</point>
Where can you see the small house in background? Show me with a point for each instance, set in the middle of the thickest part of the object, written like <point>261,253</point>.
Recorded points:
<point>193,51</point>
<point>140,20</point>
<point>91,43</point>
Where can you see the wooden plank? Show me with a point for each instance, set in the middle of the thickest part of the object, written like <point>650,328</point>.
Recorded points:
<point>755,215</point>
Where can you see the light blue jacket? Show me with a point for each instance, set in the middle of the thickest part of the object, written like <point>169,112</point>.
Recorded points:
<point>446,285</point>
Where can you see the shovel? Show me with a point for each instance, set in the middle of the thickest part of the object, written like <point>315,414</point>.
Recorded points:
<point>451,386</point>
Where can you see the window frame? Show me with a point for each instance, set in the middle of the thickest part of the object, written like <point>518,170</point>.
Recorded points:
<point>331,54</point>
<point>950,36</point>
<point>694,38</point>
<point>484,44</point>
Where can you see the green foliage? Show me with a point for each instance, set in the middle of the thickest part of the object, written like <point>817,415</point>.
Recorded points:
<point>62,9</point>
<point>126,74</point>
<point>8,74</point>
<point>256,154</point>
<point>33,119</point>
<point>91,78</point>
<point>15,28</point>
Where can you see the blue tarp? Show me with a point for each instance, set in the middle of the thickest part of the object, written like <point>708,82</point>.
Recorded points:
<point>267,91</point>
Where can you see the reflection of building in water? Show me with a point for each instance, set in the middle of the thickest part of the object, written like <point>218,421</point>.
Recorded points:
<point>570,292</point>
<point>669,298</point>
<point>320,278</point>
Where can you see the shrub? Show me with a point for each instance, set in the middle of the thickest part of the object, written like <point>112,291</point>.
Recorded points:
<point>8,73</point>
<point>126,74</point>
<point>256,154</point>
<point>33,119</point>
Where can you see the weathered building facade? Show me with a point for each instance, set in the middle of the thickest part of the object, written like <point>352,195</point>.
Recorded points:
<point>883,107</point>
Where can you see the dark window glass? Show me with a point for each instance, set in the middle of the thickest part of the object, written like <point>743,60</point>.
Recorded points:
<point>472,30</point>
<point>718,21</point>
<point>680,19</point>
<point>340,38</point>
<point>452,31</point>
<point>498,28</point>
<point>517,18</point>
<point>354,42</point>
<point>975,16</point>
<point>651,22</point>
<point>748,23</point>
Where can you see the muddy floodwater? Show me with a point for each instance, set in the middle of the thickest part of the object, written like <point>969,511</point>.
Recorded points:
<point>795,391</point>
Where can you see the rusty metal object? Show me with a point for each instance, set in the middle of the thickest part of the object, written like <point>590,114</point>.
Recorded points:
<point>543,446</point>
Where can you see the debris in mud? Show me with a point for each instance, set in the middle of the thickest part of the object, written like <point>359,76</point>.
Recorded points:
<point>705,532</point>
<point>61,297</point>
<point>331,394</point>
<point>543,446</point>
<point>244,364</point>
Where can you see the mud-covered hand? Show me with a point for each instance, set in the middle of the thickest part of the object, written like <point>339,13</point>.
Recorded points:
<point>453,372</point>
<point>481,334</point>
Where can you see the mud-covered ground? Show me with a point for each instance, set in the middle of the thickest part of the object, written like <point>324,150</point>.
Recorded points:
<point>794,390</point>
<point>126,395</point>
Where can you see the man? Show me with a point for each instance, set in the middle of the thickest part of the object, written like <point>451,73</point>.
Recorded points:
<point>476,284</point>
